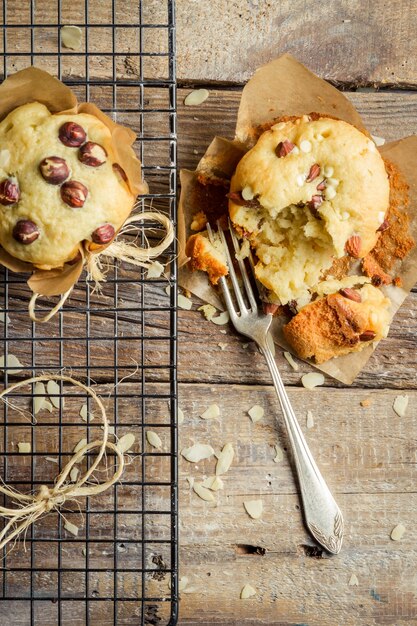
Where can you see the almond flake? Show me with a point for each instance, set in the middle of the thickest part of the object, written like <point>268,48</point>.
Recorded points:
<point>310,420</point>
<point>256,413</point>
<point>221,319</point>
<point>24,447</point>
<point>397,533</point>
<point>53,390</point>
<point>254,508</point>
<point>12,363</point>
<point>247,592</point>
<point>197,452</point>
<point>203,492</point>
<point>291,361</point>
<point>48,406</point>
<point>182,583</point>
<point>51,459</point>
<point>196,97</point>
<point>225,459</point>
<point>400,405</point>
<point>353,580</point>
<point>4,318</point>
<point>279,454</point>
<point>184,303</point>
<point>155,270</point>
<point>80,444</point>
<point>126,442</point>
<point>222,346</point>
<point>84,414</point>
<point>311,380</point>
<point>71,528</point>
<point>180,416</point>
<point>190,480</point>
<point>208,310</point>
<point>71,37</point>
<point>213,482</point>
<point>74,474</point>
<point>212,412</point>
<point>39,397</point>
<point>154,439</point>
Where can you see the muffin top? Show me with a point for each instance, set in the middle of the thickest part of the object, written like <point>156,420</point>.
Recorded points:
<point>309,191</point>
<point>60,184</point>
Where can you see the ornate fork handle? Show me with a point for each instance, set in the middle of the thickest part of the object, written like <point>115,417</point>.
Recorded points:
<point>322,515</point>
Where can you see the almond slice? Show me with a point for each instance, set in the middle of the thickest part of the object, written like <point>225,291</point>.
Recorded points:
<point>378,141</point>
<point>213,482</point>
<point>154,439</point>
<point>48,406</point>
<point>203,492</point>
<point>254,508</point>
<point>126,442</point>
<point>184,303</point>
<point>221,319</point>
<point>247,592</point>
<point>225,459</point>
<point>51,459</point>
<point>39,397</point>
<point>12,363</point>
<point>196,97</point>
<point>291,361</point>
<point>84,414</point>
<point>279,454</point>
<point>400,405</point>
<point>80,444</point>
<point>256,413</point>
<point>311,380</point>
<point>74,474</point>
<point>155,270</point>
<point>24,447</point>
<point>190,480</point>
<point>54,390</point>
<point>71,37</point>
<point>208,310</point>
<point>310,420</point>
<point>180,416</point>
<point>397,532</point>
<point>71,528</point>
<point>353,580</point>
<point>197,452</point>
<point>212,412</point>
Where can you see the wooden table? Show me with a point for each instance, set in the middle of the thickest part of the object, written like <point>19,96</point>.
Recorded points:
<point>367,454</point>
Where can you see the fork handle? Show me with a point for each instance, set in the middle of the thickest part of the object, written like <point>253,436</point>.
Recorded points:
<point>322,515</point>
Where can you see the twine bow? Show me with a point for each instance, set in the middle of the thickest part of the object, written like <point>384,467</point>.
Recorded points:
<point>34,506</point>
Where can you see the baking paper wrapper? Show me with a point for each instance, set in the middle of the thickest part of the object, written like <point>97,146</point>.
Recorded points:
<point>35,85</point>
<point>282,88</point>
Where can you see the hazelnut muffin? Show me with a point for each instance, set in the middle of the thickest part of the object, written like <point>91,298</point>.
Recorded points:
<point>311,190</point>
<point>60,185</point>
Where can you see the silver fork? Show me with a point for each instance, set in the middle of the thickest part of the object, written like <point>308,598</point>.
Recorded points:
<point>321,513</point>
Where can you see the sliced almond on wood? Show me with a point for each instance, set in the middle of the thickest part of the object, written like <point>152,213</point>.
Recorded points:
<point>48,406</point>
<point>71,528</point>
<point>126,442</point>
<point>12,363</point>
<point>190,480</point>
<point>53,390</point>
<point>24,447</point>
<point>197,452</point>
<point>400,405</point>
<point>154,439</point>
<point>203,492</point>
<point>184,303</point>
<point>247,592</point>
<point>225,459</point>
<point>397,532</point>
<point>84,413</point>
<point>80,444</point>
<point>211,413</point>
<point>155,270</point>
<point>353,580</point>
<point>256,413</point>
<point>74,474</point>
<point>180,416</point>
<point>311,380</point>
<point>291,361</point>
<point>51,459</point>
<point>221,319</point>
<point>213,482</point>
<point>71,37</point>
<point>279,454</point>
<point>208,310</point>
<point>196,97</point>
<point>39,397</point>
<point>254,508</point>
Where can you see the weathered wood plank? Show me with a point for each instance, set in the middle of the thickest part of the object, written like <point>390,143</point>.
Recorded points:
<point>346,42</point>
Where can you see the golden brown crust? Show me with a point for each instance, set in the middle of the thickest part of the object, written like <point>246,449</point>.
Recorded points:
<point>201,255</point>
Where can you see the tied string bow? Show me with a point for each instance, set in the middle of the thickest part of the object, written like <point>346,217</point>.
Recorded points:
<point>31,507</point>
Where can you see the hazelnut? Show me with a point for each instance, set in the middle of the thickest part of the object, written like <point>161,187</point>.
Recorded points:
<point>92,154</point>
<point>25,232</point>
<point>9,191</point>
<point>72,135</point>
<point>54,170</point>
<point>74,193</point>
<point>368,335</point>
<point>103,234</point>
<point>119,170</point>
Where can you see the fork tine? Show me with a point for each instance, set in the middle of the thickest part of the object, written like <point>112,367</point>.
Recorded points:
<point>242,266</point>
<point>232,273</point>
<point>223,283</point>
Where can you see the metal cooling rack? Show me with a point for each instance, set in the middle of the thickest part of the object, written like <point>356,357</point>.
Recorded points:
<point>122,566</point>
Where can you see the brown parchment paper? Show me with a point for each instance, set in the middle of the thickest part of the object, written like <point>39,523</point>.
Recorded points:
<point>35,85</point>
<point>282,88</point>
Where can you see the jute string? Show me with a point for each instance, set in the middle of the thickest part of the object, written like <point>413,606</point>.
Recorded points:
<point>31,507</point>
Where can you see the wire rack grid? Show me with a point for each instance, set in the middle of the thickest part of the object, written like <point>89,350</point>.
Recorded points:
<point>121,568</point>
